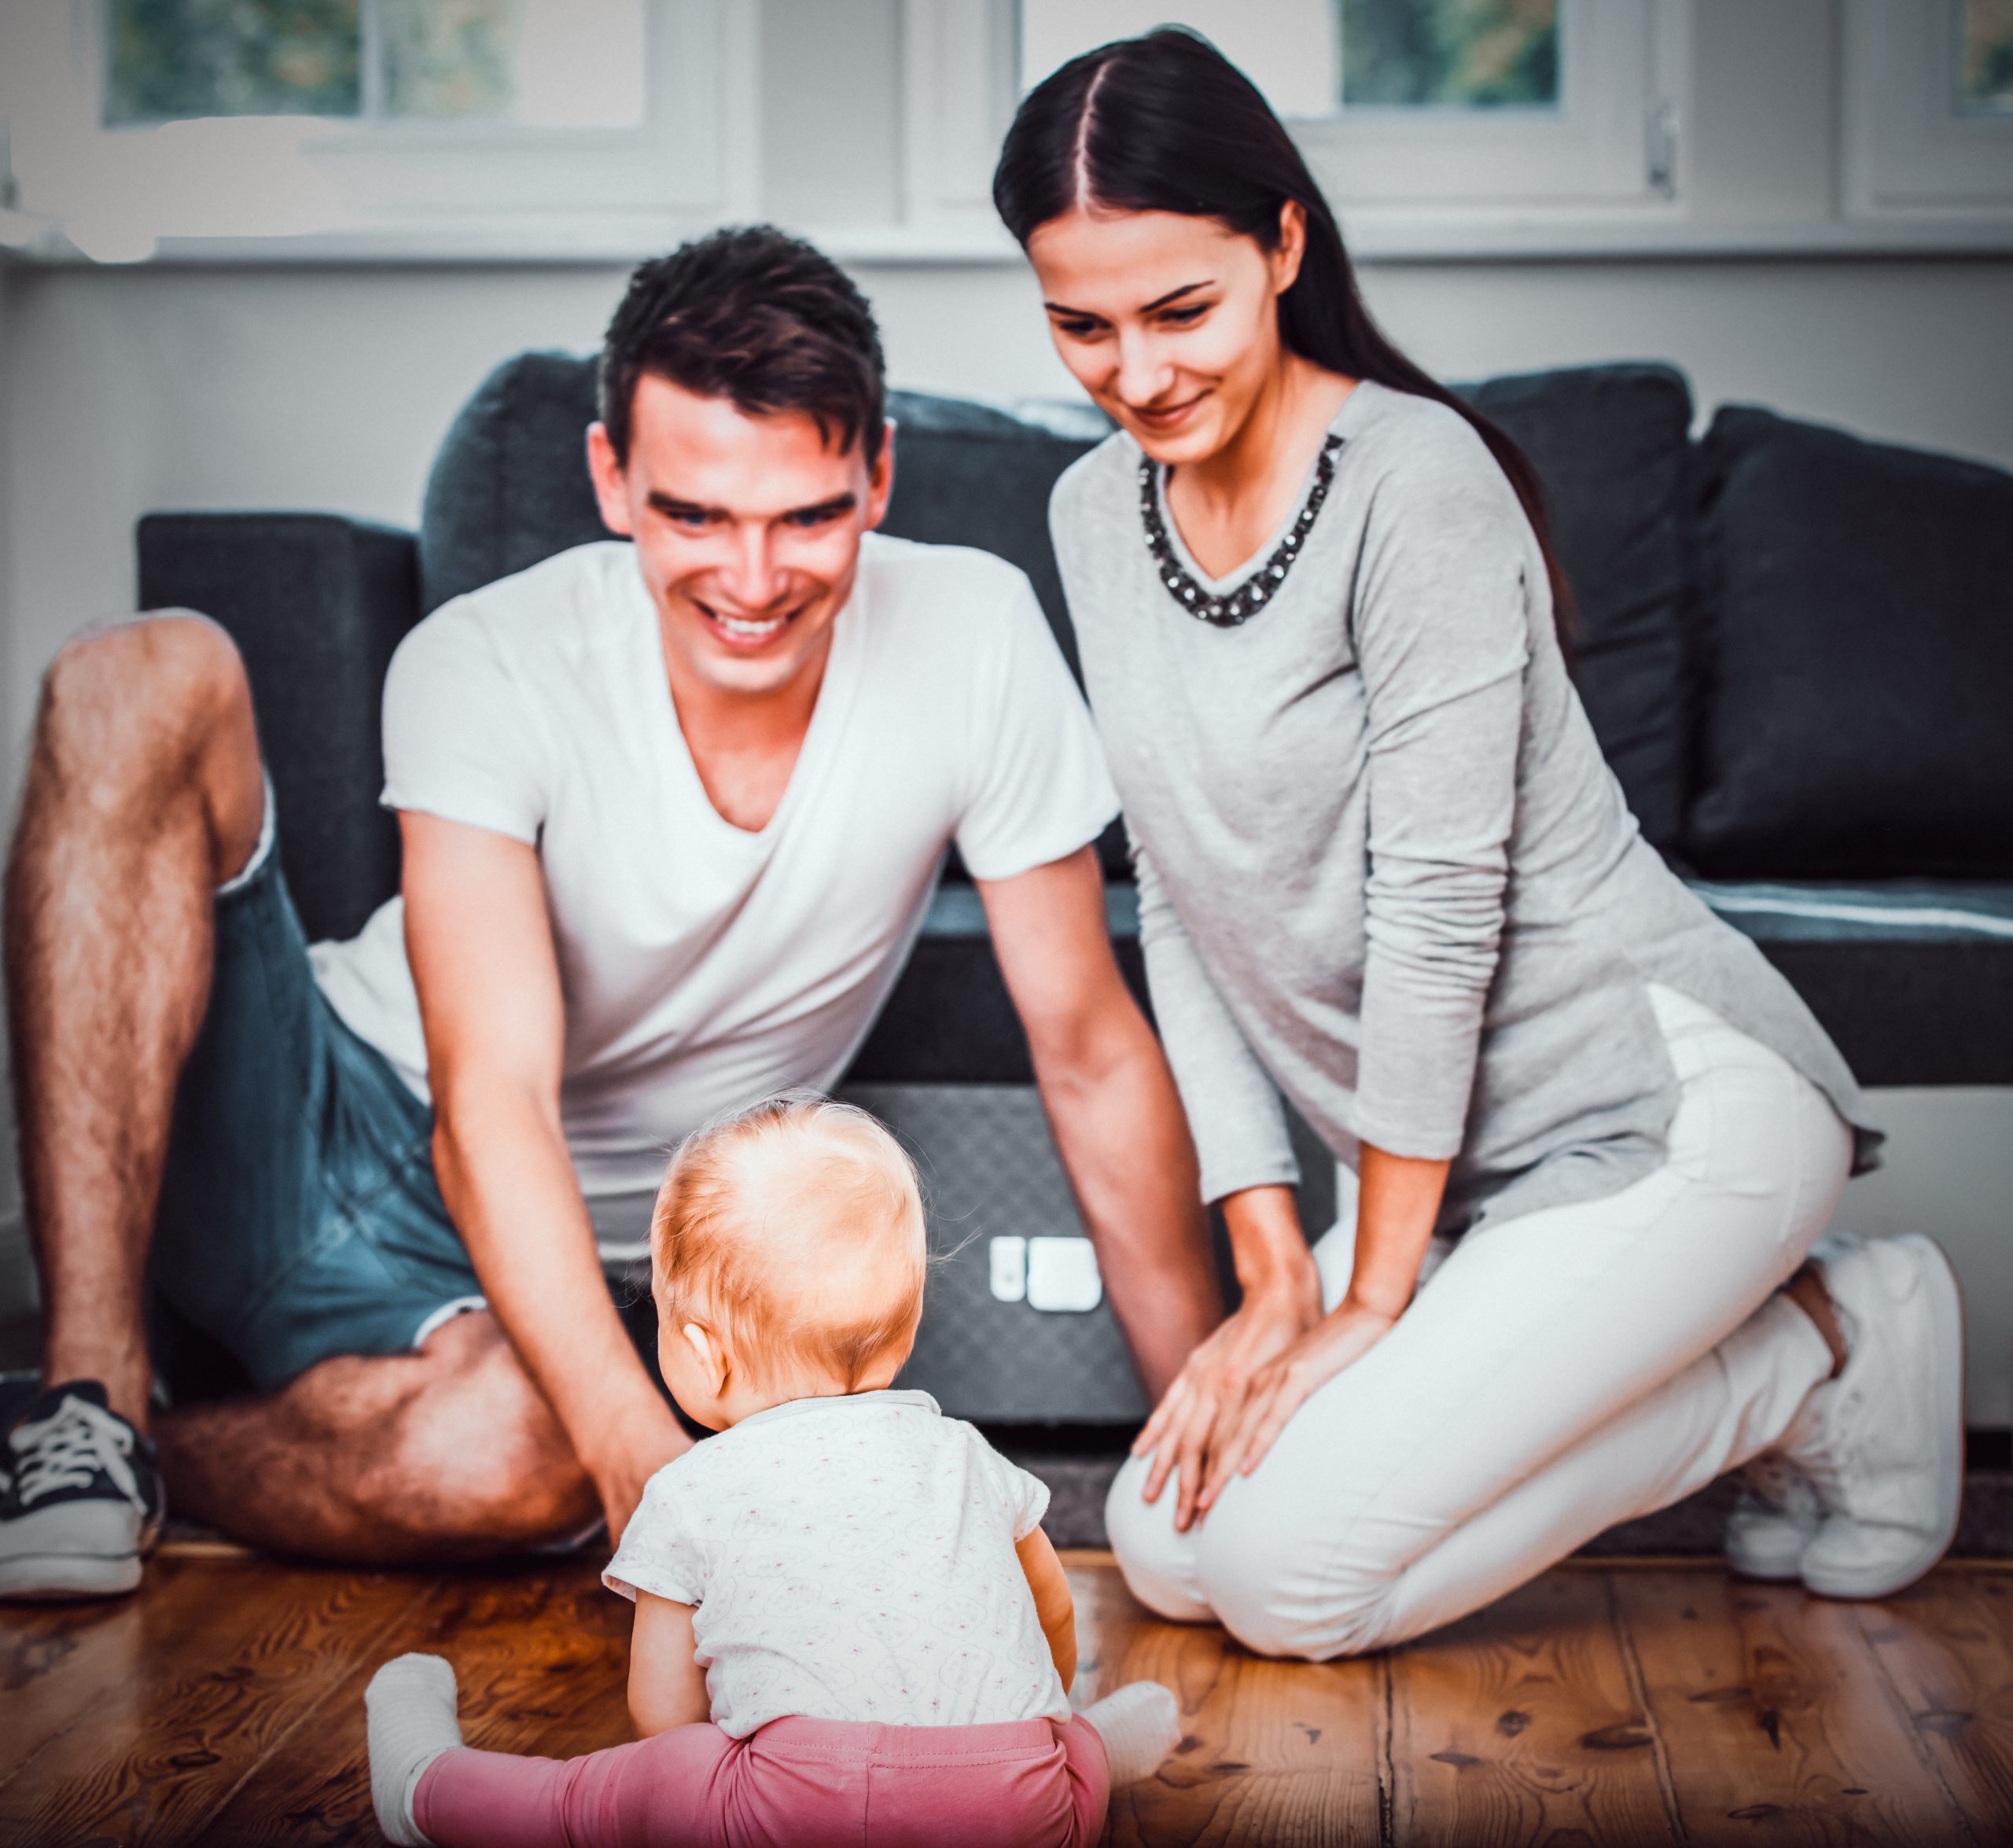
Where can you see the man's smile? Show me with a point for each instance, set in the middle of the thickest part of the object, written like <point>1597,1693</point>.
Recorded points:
<point>745,631</point>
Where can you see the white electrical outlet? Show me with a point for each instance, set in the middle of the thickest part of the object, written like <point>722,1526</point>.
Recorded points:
<point>1009,1268</point>
<point>1063,1275</point>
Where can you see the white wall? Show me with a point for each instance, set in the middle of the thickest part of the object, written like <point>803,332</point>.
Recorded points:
<point>130,390</point>
<point>125,391</point>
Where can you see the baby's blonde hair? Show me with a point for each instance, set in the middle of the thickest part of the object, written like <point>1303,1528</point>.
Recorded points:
<point>797,1227</point>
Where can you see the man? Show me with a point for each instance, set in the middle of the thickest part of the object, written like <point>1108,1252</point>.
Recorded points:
<point>671,813</point>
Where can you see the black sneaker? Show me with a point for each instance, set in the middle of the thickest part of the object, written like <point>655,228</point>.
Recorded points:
<point>81,1501</point>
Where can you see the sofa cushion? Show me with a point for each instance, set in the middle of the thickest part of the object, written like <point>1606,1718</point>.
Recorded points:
<point>1612,444</point>
<point>1858,658</point>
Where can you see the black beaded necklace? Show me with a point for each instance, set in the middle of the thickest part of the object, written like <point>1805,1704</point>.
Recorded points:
<point>1263,585</point>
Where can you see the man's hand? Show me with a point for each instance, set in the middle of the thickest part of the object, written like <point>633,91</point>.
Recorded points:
<point>626,1452</point>
<point>1112,1105</point>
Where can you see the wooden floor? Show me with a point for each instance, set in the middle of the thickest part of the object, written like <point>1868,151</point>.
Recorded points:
<point>1605,1703</point>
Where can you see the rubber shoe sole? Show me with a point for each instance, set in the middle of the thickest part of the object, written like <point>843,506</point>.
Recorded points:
<point>63,1578</point>
<point>1947,1314</point>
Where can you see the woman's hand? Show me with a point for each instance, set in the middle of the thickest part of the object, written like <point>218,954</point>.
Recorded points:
<point>1284,1385</point>
<point>1200,1411</point>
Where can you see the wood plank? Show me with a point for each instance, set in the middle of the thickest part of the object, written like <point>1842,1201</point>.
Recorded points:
<point>173,1732</point>
<point>1947,1646</point>
<point>1522,1724</point>
<point>60,1663</point>
<point>1286,1754</point>
<point>541,1654</point>
<point>1779,1725</point>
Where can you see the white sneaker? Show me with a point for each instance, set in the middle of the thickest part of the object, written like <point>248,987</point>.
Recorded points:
<point>1883,1443</point>
<point>1777,1516</point>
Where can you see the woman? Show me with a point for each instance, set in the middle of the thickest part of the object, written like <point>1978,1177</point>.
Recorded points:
<point>1384,869</point>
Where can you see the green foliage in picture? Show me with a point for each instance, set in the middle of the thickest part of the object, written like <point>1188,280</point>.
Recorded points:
<point>450,58</point>
<point>1985,55</point>
<point>1457,54</point>
<point>172,59</point>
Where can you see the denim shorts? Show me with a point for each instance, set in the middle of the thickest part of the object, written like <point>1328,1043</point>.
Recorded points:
<point>299,1214</point>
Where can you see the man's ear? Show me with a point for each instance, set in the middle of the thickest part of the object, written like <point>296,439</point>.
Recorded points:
<point>880,477</point>
<point>716,1363</point>
<point>611,481</point>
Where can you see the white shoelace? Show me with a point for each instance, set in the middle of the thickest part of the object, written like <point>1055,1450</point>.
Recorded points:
<point>70,1446</point>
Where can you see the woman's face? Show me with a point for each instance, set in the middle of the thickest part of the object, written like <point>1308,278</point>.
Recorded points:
<point>1170,322</point>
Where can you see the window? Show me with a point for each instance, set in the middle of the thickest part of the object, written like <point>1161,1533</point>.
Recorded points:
<point>1446,104</point>
<point>1985,57</point>
<point>548,64</point>
<point>1450,54</point>
<point>1928,118</point>
<point>377,126</point>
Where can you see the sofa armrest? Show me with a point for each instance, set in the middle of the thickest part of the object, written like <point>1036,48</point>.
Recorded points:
<point>316,604</point>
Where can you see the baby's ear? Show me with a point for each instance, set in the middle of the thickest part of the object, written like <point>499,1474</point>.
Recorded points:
<point>715,1364</point>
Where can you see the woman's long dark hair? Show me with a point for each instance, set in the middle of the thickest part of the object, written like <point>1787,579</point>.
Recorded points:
<point>1166,122</point>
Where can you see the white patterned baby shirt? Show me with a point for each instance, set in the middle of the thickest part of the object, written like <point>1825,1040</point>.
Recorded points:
<point>850,1558</point>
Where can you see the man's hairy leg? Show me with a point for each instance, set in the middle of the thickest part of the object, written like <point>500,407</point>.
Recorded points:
<point>449,1452</point>
<point>143,792</point>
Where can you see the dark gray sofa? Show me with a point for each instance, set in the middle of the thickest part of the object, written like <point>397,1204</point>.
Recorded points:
<point>1796,648</point>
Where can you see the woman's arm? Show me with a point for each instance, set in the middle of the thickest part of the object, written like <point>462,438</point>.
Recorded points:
<point>1282,1293</point>
<point>1247,1162</point>
<point>667,1687</point>
<point>1441,625</point>
<point>1398,1201</point>
<point>1054,1609</point>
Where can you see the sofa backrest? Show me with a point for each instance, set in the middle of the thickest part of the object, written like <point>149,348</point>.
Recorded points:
<point>1856,662</point>
<point>510,487</point>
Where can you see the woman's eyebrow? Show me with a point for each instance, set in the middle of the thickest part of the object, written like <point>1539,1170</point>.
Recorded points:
<point>1160,301</point>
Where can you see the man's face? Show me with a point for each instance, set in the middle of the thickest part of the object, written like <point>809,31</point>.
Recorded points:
<point>747,532</point>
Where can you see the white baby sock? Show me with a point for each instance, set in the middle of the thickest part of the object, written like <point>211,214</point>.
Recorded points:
<point>411,1702</point>
<point>1139,1724</point>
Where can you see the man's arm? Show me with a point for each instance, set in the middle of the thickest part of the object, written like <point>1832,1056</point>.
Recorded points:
<point>1112,1105</point>
<point>480,946</point>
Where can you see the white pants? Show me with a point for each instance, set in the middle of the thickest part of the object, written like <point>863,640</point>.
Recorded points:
<point>1557,1373</point>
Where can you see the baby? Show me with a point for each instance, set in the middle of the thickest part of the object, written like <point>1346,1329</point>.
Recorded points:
<point>849,1624</point>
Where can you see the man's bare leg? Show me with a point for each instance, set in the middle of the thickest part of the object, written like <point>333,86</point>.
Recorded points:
<point>449,1452</point>
<point>144,792</point>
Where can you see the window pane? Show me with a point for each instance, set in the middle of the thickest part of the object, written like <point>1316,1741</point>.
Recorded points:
<point>172,59</point>
<point>556,64</point>
<point>1457,54</point>
<point>1985,80</point>
<point>1286,47</point>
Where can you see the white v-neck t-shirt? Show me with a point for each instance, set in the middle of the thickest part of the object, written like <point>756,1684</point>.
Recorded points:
<point>705,966</point>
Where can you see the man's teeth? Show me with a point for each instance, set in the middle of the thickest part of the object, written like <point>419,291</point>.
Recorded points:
<point>749,631</point>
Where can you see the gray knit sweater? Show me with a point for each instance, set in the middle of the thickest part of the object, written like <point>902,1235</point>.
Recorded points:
<point>1383,866</point>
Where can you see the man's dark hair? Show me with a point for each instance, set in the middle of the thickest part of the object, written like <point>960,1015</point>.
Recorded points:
<point>753,315</point>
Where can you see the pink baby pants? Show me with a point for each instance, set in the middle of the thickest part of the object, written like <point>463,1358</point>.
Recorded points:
<point>793,1783</point>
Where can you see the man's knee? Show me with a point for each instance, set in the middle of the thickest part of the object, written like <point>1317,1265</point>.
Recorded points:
<point>131,698</point>
<point>476,1461</point>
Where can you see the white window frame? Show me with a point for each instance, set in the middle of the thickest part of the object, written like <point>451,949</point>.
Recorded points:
<point>1594,148</point>
<point>286,188</point>
<point>1908,152</point>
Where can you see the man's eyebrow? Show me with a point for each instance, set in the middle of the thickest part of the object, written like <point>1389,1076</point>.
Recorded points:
<point>1159,301</point>
<point>672,503</point>
<point>825,510</point>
